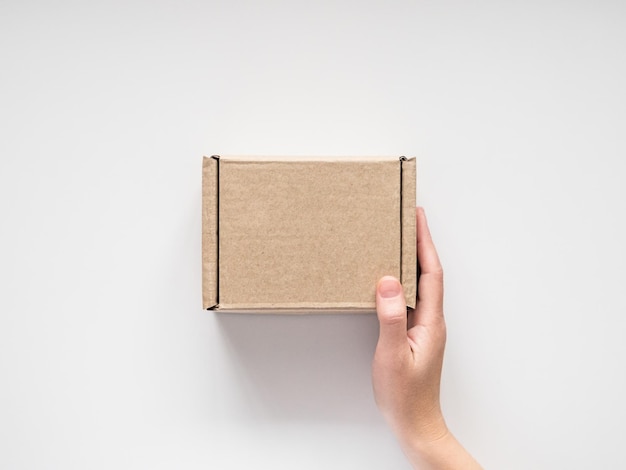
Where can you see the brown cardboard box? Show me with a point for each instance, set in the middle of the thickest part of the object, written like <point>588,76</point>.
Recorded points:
<point>285,235</point>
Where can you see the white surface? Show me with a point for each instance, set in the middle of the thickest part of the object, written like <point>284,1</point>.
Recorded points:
<point>517,114</point>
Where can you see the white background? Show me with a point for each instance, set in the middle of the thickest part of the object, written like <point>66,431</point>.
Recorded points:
<point>516,112</point>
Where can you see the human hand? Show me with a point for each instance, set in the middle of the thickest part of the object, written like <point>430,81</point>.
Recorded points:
<point>406,371</point>
<point>409,355</point>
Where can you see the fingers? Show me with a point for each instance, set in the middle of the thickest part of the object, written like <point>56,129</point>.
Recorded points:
<point>391,310</point>
<point>430,284</point>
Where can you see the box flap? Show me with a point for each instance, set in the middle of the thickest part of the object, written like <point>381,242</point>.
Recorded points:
<point>210,181</point>
<point>409,237</point>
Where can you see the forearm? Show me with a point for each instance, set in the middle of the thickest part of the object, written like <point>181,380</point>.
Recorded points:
<point>443,453</point>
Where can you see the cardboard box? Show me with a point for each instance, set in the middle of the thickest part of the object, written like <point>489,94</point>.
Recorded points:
<point>285,235</point>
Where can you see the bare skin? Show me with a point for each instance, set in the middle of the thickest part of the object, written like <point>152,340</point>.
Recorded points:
<point>406,371</point>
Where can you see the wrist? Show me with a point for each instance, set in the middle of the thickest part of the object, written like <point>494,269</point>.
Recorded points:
<point>436,448</point>
<point>426,433</point>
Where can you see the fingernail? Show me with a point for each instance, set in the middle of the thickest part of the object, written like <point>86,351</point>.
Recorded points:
<point>389,287</point>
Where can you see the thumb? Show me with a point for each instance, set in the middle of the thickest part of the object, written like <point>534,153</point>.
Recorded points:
<point>391,310</point>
